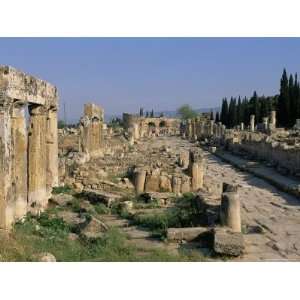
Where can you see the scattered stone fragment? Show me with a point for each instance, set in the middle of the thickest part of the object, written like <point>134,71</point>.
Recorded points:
<point>227,242</point>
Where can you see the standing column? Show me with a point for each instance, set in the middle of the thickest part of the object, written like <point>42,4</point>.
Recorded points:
<point>52,150</point>
<point>265,123</point>
<point>6,202</point>
<point>37,159</point>
<point>272,124</point>
<point>196,169</point>
<point>252,123</point>
<point>139,181</point>
<point>19,160</point>
<point>230,211</point>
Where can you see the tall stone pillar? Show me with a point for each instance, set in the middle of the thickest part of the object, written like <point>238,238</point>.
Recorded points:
<point>242,126</point>
<point>252,123</point>
<point>37,159</point>
<point>196,169</point>
<point>52,150</point>
<point>273,120</point>
<point>136,131</point>
<point>265,123</point>
<point>19,160</point>
<point>139,181</point>
<point>211,127</point>
<point>6,204</point>
<point>230,211</point>
<point>189,128</point>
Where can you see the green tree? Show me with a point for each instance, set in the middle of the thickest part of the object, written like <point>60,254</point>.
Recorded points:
<point>217,117</point>
<point>186,112</point>
<point>283,101</point>
<point>232,113</point>
<point>141,112</point>
<point>224,112</point>
<point>61,124</point>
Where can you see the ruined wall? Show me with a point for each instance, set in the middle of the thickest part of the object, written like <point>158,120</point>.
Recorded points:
<point>138,127</point>
<point>28,156</point>
<point>263,146</point>
<point>91,130</point>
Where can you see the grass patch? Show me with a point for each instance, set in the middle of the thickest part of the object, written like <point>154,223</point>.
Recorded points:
<point>62,190</point>
<point>101,209</point>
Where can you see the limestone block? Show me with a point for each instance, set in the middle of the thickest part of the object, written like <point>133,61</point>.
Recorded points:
<point>186,234</point>
<point>152,183</point>
<point>185,184</point>
<point>165,184</point>
<point>176,184</point>
<point>228,242</point>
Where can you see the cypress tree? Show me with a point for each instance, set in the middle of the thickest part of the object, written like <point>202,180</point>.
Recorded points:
<point>232,113</point>
<point>239,114</point>
<point>224,112</point>
<point>141,112</point>
<point>283,100</point>
<point>291,105</point>
<point>217,117</point>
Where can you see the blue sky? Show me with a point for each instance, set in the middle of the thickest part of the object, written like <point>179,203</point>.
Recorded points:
<point>122,74</point>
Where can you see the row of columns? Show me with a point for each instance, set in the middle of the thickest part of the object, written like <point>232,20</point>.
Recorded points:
<point>29,159</point>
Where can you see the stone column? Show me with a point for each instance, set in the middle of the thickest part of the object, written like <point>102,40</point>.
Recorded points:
<point>242,126</point>
<point>265,123</point>
<point>37,159</point>
<point>52,150</point>
<point>252,123</point>
<point>211,127</point>
<point>176,184</point>
<point>196,169</point>
<point>197,174</point>
<point>189,129</point>
<point>273,120</point>
<point>139,181</point>
<point>230,211</point>
<point>136,133</point>
<point>6,203</point>
<point>19,160</point>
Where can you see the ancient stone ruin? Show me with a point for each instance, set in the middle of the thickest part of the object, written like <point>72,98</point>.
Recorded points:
<point>91,130</point>
<point>139,127</point>
<point>29,154</point>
